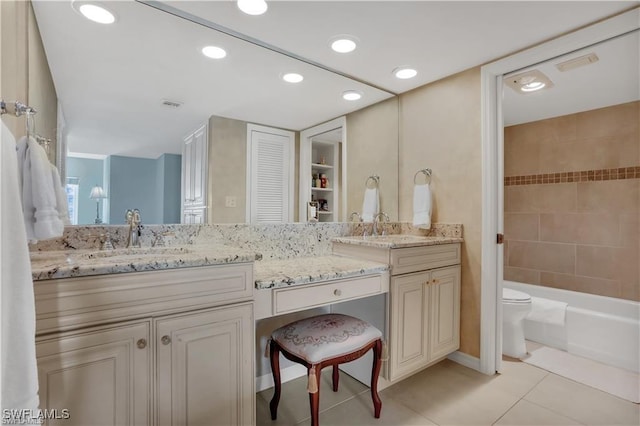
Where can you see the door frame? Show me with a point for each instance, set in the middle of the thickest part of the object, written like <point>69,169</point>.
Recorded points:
<point>305,166</point>
<point>493,166</point>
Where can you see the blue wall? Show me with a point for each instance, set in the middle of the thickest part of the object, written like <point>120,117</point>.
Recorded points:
<point>169,174</point>
<point>89,173</point>
<point>151,186</point>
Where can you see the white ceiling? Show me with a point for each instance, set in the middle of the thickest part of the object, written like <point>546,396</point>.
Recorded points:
<point>613,79</point>
<point>111,79</point>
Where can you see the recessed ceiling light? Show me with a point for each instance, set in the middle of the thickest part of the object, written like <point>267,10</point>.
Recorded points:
<point>351,95</point>
<point>292,77</point>
<point>95,12</point>
<point>214,52</point>
<point>253,7</point>
<point>343,44</point>
<point>405,72</point>
<point>533,86</point>
<point>528,81</point>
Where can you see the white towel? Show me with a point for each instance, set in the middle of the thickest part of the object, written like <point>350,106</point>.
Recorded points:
<point>42,212</point>
<point>19,371</point>
<point>370,205</point>
<point>422,206</point>
<point>547,311</point>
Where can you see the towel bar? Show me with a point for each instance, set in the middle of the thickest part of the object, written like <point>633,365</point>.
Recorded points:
<point>426,172</point>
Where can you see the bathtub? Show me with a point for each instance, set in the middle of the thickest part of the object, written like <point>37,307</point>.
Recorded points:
<point>601,328</point>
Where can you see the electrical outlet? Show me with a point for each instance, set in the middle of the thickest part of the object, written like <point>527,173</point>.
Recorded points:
<point>230,201</point>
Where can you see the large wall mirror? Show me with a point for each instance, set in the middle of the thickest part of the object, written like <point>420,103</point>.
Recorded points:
<point>126,95</point>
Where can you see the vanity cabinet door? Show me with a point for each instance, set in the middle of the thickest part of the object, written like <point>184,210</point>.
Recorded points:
<point>444,320</point>
<point>409,327</point>
<point>194,216</point>
<point>205,367</point>
<point>101,375</point>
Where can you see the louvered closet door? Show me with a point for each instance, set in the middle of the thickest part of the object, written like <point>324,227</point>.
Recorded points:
<point>271,177</point>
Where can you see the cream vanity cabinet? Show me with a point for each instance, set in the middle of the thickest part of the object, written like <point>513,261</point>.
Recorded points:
<point>424,305</point>
<point>152,348</point>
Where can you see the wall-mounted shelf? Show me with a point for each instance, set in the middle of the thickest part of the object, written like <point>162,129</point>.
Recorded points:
<point>322,189</point>
<point>321,166</point>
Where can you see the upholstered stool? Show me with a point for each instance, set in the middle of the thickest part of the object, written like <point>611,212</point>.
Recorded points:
<point>319,342</point>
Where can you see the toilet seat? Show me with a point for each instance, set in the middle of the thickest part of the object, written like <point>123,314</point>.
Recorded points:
<point>514,296</point>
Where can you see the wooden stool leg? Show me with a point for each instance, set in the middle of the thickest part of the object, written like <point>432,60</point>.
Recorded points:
<point>274,357</point>
<point>314,399</point>
<point>336,377</point>
<point>375,372</point>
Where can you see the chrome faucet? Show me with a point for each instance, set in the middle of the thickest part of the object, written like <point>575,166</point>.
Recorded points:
<point>385,217</point>
<point>356,214</point>
<point>133,220</point>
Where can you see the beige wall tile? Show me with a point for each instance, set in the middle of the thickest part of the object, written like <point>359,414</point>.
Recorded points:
<point>630,291</point>
<point>558,197</point>
<point>440,129</point>
<point>521,159</point>
<point>521,199</point>
<point>630,230</point>
<point>609,121</point>
<point>582,284</point>
<point>521,226</point>
<point>582,228</point>
<point>612,263</point>
<point>609,196</point>
<point>520,275</point>
<point>551,257</point>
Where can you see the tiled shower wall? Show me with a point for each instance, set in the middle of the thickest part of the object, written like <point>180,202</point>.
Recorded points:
<point>572,202</point>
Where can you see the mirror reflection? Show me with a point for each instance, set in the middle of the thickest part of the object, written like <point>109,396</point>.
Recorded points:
<point>143,114</point>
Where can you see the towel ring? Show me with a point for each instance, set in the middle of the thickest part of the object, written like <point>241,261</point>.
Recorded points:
<point>426,172</point>
<point>375,179</point>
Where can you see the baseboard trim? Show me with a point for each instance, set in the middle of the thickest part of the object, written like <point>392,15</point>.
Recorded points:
<point>465,359</point>
<point>286,374</point>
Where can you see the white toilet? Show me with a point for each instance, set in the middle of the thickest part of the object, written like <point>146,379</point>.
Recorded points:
<point>516,305</point>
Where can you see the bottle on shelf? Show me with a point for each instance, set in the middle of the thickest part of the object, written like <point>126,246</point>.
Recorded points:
<point>323,180</point>
<point>314,178</point>
<point>318,182</point>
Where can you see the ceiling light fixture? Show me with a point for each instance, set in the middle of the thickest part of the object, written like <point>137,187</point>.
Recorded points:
<point>214,52</point>
<point>253,7</point>
<point>405,73</point>
<point>528,81</point>
<point>343,43</point>
<point>292,77</point>
<point>94,12</point>
<point>351,95</point>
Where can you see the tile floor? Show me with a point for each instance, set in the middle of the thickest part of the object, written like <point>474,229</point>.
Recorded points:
<point>450,394</point>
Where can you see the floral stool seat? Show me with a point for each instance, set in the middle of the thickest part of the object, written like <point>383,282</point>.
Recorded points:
<point>319,342</point>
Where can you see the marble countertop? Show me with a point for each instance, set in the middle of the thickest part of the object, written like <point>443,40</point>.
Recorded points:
<point>305,270</point>
<point>397,241</point>
<point>46,265</point>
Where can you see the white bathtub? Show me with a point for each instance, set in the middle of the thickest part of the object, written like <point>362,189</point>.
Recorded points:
<point>597,327</point>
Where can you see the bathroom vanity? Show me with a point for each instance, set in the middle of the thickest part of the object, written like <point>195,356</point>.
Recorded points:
<point>162,347</point>
<point>424,306</point>
<point>167,335</point>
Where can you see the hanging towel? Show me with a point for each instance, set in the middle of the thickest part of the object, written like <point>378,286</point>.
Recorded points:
<point>39,185</point>
<point>422,206</point>
<point>19,371</point>
<point>547,311</point>
<point>61,197</point>
<point>370,205</point>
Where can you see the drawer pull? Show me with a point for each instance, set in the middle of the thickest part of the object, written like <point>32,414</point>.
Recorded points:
<point>165,340</point>
<point>337,292</point>
<point>142,343</point>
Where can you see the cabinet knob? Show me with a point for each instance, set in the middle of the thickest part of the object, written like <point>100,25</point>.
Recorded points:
<point>436,281</point>
<point>142,343</point>
<point>337,292</point>
<point>165,340</point>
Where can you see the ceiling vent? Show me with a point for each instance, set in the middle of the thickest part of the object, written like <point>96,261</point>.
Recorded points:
<point>171,104</point>
<point>578,62</point>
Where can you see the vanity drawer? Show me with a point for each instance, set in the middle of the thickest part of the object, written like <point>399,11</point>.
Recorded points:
<point>413,259</point>
<point>306,296</point>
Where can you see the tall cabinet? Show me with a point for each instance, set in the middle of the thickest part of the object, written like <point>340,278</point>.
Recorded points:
<point>194,175</point>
